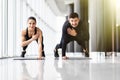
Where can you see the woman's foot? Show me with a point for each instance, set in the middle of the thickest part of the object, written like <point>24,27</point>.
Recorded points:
<point>40,58</point>
<point>23,54</point>
<point>43,54</point>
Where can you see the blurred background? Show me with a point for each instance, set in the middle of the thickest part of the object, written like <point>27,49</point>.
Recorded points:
<point>101,16</point>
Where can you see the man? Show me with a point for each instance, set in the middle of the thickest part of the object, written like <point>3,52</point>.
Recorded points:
<point>30,34</point>
<point>73,29</point>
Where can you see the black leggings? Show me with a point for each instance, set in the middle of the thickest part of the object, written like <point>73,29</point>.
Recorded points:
<point>65,41</point>
<point>25,47</point>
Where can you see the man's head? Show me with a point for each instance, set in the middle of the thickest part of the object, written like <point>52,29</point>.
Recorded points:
<point>74,19</point>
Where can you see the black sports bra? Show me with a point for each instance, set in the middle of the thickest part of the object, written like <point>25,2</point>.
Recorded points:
<point>26,36</point>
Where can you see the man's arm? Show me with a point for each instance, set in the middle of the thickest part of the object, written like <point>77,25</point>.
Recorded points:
<point>67,29</point>
<point>71,32</point>
<point>83,31</point>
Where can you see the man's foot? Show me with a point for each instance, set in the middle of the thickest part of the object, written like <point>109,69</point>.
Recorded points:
<point>56,53</point>
<point>23,54</point>
<point>43,54</point>
<point>86,53</point>
<point>65,57</point>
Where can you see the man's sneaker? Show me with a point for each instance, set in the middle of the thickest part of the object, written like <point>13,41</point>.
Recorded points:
<point>23,53</point>
<point>43,54</point>
<point>86,54</point>
<point>56,53</point>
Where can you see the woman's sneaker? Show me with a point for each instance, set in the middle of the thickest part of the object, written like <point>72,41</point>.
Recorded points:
<point>43,54</point>
<point>23,54</point>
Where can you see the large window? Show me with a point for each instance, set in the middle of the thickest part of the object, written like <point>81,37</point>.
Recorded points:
<point>11,31</point>
<point>3,27</point>
<point>13,19</point>
<point>0,26</point>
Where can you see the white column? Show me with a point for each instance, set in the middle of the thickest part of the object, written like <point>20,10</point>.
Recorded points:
<point>5,28</point>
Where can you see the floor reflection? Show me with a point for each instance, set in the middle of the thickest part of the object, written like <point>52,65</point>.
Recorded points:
<point>98,67</point>
<point>27,74</point>
<point>69,70</point>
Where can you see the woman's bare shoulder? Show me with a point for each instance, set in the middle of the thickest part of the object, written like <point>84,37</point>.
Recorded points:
<point>24,32</point>
<point>39,30</point>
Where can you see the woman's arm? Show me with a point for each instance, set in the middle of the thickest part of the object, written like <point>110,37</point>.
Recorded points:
<point>24,41</point>
<point>39,32</point>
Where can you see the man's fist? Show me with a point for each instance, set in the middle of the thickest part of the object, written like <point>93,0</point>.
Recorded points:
<point>71,32</point>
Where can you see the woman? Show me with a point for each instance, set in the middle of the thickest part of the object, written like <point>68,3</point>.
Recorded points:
<point>30,34</point>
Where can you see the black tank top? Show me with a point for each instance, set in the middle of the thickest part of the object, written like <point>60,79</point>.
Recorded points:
<point>26,36</point>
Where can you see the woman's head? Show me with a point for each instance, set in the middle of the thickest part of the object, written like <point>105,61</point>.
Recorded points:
<point>31,22</point>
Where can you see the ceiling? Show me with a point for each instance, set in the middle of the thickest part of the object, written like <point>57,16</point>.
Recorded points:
<point>59,7</point>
